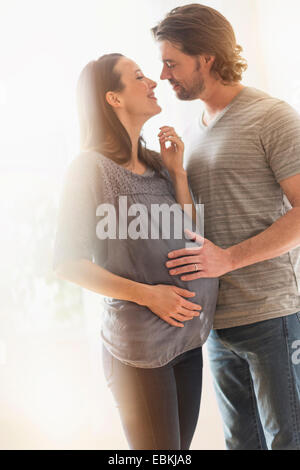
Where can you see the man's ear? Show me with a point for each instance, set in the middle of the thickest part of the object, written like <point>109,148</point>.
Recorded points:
<point>209,59</point>
<point>112,99</point>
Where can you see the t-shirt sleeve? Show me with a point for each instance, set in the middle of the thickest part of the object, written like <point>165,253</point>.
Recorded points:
<point>280,137</point>
<point>76,228</point>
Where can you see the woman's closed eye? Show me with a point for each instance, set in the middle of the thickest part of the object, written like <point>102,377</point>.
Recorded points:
<point>140,75</point>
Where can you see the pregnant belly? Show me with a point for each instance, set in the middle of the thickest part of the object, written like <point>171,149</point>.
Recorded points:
<point>145,261</point>
<point>128,324</point>
<point>133,332</point>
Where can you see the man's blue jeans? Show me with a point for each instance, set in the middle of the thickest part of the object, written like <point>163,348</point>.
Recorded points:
<point>256,372</point>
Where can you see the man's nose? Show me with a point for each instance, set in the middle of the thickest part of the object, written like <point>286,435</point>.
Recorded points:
<point>165,74</point>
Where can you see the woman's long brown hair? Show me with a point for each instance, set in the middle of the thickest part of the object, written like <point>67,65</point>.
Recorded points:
<point>100,128</point>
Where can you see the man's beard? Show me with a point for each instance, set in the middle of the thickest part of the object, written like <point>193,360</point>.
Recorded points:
<point>194,90</point>
<point>192,93</point>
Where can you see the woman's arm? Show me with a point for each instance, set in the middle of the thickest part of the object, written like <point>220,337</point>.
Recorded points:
<point>75,244</point>
<point>173,159</point>
<point>182,192</point>
<point>95,278</point>
<point>167,302</point>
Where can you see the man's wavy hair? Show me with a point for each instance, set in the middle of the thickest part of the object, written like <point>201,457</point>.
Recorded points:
<point>198,29</point>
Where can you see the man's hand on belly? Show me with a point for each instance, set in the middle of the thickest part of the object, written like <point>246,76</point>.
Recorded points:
<point>206,260</point>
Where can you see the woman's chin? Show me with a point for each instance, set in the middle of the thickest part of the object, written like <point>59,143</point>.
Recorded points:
<point>158,110</point>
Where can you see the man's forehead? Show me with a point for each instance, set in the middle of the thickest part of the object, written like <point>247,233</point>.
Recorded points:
<point>169,51</point>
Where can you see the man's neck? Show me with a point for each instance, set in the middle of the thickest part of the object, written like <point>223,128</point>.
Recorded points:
<point>216,97</point>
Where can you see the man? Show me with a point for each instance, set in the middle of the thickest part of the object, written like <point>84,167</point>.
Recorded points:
<point>243,163</point>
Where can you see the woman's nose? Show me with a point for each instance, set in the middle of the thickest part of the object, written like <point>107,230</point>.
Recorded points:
<point>151,84</point>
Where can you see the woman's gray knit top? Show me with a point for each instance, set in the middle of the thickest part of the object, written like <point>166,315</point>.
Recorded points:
<point>131,332</point>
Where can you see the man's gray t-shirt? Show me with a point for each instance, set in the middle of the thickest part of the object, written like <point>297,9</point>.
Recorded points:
<point>234,168</point>
<point>131,332</point>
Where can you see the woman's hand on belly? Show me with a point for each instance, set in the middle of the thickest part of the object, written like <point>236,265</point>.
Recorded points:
<point>169,303</point>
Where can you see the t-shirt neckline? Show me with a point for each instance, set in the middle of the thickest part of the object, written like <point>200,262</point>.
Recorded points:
<point>221,113</point>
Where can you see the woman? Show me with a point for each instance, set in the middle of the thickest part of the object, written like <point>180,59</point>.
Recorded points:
<point>153,324</point>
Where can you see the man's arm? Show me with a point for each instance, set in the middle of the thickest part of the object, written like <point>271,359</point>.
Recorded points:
<point>281,237</point>
<point>213,261</point>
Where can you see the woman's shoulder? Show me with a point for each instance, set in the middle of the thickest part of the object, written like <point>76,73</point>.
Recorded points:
<point>85,166</point>
<point>97,170</point>
<point>94,160</point>
<point>86,160</point>
<point>100,172</point>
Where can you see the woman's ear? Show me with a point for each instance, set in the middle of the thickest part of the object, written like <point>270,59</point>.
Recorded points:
<point>112,99</point>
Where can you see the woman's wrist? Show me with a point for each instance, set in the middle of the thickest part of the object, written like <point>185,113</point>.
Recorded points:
<point>178,175</point>
<point>140,293</point>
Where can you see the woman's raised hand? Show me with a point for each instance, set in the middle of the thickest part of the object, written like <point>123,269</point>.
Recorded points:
<point>173,154</point>
<point>169,303</point>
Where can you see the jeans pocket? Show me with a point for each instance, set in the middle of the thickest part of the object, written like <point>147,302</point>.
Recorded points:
<point>298,316</point>
<point>107,362</point>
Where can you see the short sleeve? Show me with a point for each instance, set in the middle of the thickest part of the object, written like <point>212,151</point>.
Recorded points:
<point>280,137</point>
<point>76,228</point>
